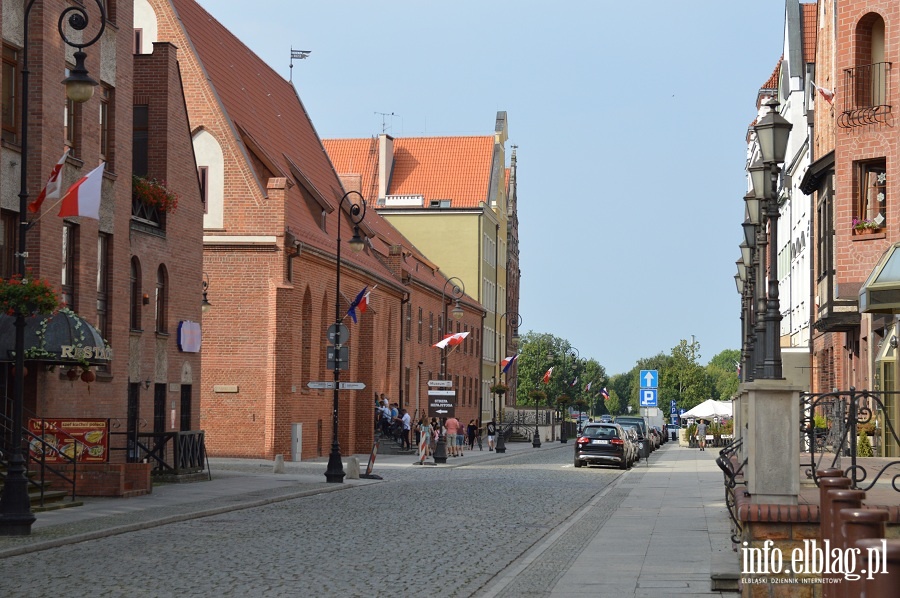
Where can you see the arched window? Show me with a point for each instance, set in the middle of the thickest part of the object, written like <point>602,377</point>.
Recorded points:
<point>211,174</point>
<point>136,294</point>
<point>162,299</point>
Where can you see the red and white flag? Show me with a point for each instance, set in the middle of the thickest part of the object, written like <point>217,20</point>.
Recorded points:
<point>451,340</point>
<point>52,188</point>
<point>827,94</point>
<point>83,198</point>
<point>507,362</point>
<point>549,373</point>
<point>364,302</point>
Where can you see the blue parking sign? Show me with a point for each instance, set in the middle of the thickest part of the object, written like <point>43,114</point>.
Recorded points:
<point>648,397</point>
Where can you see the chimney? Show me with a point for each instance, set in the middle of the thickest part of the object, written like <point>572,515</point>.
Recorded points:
<point>385,163</point>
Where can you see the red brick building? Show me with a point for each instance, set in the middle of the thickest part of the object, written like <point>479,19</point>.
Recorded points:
<point>136,273</point>
<point>273,208</point>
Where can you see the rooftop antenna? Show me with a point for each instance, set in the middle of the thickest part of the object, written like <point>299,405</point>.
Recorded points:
<point>297,55</point>
<point>384,116</point>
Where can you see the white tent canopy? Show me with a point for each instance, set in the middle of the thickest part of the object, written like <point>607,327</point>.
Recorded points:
<point>709,409</point>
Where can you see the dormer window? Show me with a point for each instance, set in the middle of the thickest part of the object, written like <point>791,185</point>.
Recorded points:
<point>439,203</point>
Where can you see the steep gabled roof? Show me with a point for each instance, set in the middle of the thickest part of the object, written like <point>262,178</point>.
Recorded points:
<point>454,168</point>
<point>258,100</point>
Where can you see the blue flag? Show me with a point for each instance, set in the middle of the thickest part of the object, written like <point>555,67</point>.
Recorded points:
<point>352,311</point>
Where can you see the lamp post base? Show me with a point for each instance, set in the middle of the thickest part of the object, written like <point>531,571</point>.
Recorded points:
<point>335,471</point>
<point>15,505</point>
<point>501,443</point>
<point>536,441</point>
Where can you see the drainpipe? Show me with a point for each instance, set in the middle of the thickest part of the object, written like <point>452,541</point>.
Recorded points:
<point>403,302</point>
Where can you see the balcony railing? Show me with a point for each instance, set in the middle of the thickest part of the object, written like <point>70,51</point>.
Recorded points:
<point>865,95</point>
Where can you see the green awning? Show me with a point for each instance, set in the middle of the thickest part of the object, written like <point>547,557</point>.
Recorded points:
<point>881,291</point>
<point>62,338</point>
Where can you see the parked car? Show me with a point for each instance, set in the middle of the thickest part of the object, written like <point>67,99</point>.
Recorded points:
<point>643,444</point>
<point>606,418</point>
<point>603,444</point>
<point>633,419</point>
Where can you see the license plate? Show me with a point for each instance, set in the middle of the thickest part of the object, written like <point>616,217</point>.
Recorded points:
<point>599,441</point>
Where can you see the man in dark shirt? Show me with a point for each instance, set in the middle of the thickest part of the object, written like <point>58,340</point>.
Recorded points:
<point>491,434</point>
<point>701,434</point>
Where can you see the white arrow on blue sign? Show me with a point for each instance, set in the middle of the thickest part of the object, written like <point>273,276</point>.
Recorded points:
<point>649,379</point>
<point>648,397</point>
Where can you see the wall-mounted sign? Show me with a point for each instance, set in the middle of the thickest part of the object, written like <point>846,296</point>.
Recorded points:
<point>84,440</point>
<point>189,337</point>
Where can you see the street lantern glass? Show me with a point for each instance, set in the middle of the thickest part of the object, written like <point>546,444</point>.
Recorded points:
<point>79,85</point>
<point>758,176</point>
<point>772,132</point>
<point>752,207</point>
<point>742,270</point>
<point>749,234</point>
<point>739,284</point>
<point>356,242</point>
<point>457,311</point>
<point>746,255</point>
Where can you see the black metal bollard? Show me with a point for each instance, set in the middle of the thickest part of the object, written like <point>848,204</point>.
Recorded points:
<point>440,451</point>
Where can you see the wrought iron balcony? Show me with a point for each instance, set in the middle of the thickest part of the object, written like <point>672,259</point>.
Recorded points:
<point>865,95</point>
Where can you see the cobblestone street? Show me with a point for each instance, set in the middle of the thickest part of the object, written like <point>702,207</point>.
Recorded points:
<point>452,528</point>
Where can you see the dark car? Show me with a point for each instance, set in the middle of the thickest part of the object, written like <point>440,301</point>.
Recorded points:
<point>602,444</point>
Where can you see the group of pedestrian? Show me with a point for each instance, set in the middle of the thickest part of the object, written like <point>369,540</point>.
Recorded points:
<point>456,436</point>
<point>394,422</point>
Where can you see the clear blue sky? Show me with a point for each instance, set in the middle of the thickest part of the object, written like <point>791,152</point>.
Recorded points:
<point>630,121</point>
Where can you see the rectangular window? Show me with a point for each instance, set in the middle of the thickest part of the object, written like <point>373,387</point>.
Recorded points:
<point>408,321</point>
<point>67,273</point>
<point>420,325</point>
<point>140,157</point>
<point>871,196</point>
<point>9,223</point>
<point>203,175</point>
<point>138,41</point>
<point>103,286</point>
<point>10,97</point>
<point>431,340</point>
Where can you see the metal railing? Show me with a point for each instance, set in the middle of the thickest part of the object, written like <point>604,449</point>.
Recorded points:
<point>732,471</point>
<point>843,412</point>
<point>866,91</point>
<point>171,453</point>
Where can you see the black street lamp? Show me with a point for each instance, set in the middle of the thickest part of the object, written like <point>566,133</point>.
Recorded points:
<point>335,471</point>
<point>15,506</point>
<point>772,133</point>
<point>501,443</point>
<point>456,293</point>
<point>575,355</point>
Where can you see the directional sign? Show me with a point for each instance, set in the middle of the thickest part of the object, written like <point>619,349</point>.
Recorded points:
<point>338,334</point>
<point>441,406</point>
<point>351,385</point>
<point>649,379</point>
<point>648,397</point>
<point>440,383</point>
<point>674,408</point>
<point>342,363</point>
<point>441,393</point>
<point>320,384</point>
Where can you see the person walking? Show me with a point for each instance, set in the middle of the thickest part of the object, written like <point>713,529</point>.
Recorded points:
<point>471,429</point>
<point>701,434</point>
<point>407,425</point>
<point>491,433</point>
<point>452,426</point>
<point>424,440</point>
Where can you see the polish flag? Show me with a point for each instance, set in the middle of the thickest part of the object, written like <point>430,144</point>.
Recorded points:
<point>83,198</point>
<point>52,188</point>
<point>574,382</point>
<point>364,303</point>
<point>588,387</point>
<point>451,340</point>
<point>549,373</point>
<point>507,362</point>
<point>605,394</point>
<point>827,94</point>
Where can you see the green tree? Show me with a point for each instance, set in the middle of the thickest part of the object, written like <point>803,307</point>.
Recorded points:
<point>723,370</point>
<point>683,379</point>
<point>538,353</point>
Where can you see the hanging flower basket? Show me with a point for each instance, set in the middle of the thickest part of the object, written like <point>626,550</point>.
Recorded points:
<point>27,295</point>
<point>154,193</point>
<point>499,389</point>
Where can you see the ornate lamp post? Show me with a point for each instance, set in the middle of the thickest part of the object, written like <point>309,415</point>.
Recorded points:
<point>15,507</point>
<point>501,443</point>
<point>772,133</point>
<point>575,355</point>
<point>456,293</point>
<point>335,471</point>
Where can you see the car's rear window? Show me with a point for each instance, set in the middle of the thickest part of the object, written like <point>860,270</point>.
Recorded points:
<point>600,432</point>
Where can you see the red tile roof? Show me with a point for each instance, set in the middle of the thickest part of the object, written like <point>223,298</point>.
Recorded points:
<point>266,110</point>
<point>454,168</point>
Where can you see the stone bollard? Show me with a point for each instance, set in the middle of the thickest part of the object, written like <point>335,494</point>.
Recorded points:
<point>352,468</point>
<point>835,480</point>
<point>860,524</point>
<point>279,464</point>
<point>885,582</point>
<point>440,451</point>
<point>840,498</point>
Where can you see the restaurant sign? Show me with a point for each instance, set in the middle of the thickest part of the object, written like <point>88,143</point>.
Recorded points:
<point>86,440</point>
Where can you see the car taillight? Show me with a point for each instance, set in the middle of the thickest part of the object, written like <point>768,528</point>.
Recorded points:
<point>617,441</point>
<point>582,440</point>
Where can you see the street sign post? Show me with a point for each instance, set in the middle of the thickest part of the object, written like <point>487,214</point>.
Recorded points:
<point>320,384</point>
<point>343,361</point>
<point>441,393</point>
<point>441,405</point>
<point>440,383</point>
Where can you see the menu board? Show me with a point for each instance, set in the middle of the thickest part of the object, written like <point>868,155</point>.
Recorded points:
<point>85,440</point>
